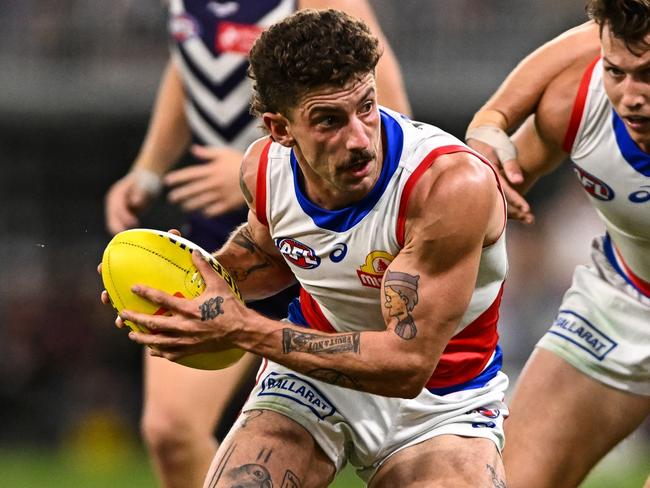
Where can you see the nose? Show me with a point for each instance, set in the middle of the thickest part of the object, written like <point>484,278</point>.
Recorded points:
<point>357,136</point>
<point>634,93</point>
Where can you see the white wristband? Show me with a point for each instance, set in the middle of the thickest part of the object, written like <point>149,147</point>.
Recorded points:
<point>496,138</point>
<point>148,181</point>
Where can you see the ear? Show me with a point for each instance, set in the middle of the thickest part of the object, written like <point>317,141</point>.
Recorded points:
<point>278,126</point>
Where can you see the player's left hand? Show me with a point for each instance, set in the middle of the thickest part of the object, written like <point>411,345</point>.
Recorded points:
<point>208,323</point>
<point>212,187</point>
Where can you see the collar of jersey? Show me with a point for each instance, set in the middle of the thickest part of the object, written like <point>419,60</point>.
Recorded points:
<point>632,153</point>
<point>343,219</point>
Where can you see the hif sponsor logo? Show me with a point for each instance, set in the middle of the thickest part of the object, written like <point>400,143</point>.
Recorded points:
<point>233,37</point>
<point>371,272</point>
<point>596,187</point>
<point>299,390</point>
<point>576,329</point>
<point>297,253</point>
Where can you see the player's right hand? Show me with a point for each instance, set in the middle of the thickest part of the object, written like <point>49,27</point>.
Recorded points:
<point>124,201</point>
<point>510,175</point>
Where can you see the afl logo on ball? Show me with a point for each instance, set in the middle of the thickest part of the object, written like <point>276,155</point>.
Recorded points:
<point>297,253</point>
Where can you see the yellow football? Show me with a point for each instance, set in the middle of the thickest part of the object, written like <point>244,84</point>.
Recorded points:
<point>164,261</point>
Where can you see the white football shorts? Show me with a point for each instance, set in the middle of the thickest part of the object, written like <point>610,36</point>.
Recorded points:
<point>366,429</point>
<point>603,326</point>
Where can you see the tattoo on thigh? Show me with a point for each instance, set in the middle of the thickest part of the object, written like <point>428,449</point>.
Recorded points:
<point>249,476</point>
<point>293,341</point>
<point>218,471</point>
<point>334,377</point>
<point>401,297</point>
<point>211,308</point>
<point>290,480</point>
<point>494,477</point>
<point>264,455</point>
<point>248,416</point>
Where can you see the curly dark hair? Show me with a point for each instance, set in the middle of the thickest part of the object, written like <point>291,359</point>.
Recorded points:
<point>309,49</point>
<point>628,20</point>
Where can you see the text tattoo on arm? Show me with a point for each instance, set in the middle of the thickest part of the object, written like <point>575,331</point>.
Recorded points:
<point>401,297</point>
<point>294,341</point>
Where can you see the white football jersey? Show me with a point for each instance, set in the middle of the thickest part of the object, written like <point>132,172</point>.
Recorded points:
<point>340,256</point>
<point>615,173</point>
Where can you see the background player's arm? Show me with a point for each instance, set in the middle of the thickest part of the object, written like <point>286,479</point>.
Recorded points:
<point>167,138</point>
<point>519,96</point>
<point>520,93</point>
<point>390,84</point>
<point>439,262</point>
<point>539,140</point>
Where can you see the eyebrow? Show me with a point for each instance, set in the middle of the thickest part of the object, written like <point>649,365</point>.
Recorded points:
<point>645,65</point>
<point>326,108</point>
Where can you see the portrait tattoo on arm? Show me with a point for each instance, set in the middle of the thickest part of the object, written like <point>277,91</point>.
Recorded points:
<point>211,308</point>
<point>401,297</point>
<point>294,341</point>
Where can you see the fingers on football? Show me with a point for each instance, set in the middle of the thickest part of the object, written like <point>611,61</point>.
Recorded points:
<point>159,297</point>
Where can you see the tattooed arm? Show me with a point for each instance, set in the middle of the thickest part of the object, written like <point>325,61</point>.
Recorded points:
<point>250,255</point>
<point>425,292</point>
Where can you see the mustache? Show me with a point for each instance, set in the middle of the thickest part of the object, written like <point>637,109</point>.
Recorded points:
<point>358,157</point>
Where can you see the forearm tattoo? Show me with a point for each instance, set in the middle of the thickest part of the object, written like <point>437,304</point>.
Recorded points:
<point>243,237</point>
<point>211,308</point>
<point>294,341</point>
<point>401,297</point>
<point>334,377</point>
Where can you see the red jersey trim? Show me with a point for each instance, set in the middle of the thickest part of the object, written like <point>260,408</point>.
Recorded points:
<point>469,351</point>
<point>313,314</point>
<point>642,285</point>
<point>428,160</point>
<point>578,108</point>
<point>260,191</point>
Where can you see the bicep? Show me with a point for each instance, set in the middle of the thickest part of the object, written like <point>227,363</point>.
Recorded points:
<point>428,286</point>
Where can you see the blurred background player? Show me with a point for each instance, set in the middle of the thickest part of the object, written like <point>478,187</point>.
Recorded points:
<point>589,92</point>
<point>203,103</point>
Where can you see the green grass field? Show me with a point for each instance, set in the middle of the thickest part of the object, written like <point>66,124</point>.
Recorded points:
<point>30,468</point>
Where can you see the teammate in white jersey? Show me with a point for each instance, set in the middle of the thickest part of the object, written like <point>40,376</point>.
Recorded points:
<point>589,92</point>
<point>204,99</point>
<point>365,209</point>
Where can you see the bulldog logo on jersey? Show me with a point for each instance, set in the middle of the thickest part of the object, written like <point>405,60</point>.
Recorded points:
<point>297,253</point>
<point>596,187</point>
<point>372,271</point>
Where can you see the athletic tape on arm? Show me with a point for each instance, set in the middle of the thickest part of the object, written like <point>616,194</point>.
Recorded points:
<point>495,137</point>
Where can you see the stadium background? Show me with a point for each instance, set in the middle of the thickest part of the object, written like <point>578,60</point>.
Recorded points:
<point>77,80</point>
